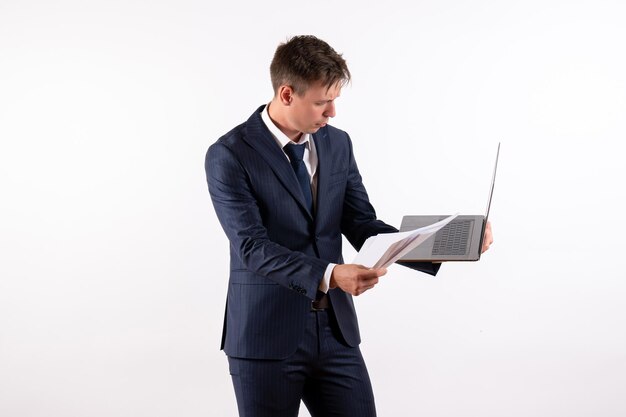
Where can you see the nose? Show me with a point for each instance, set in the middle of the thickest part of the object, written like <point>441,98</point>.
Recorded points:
<point>330,109</point>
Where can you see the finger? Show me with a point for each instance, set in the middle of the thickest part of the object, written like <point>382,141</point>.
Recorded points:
<point>378,272</point>
<point>369,282</point>
<point>361,290</point>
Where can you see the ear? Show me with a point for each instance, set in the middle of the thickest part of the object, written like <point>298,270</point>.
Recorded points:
<point>285,94</point>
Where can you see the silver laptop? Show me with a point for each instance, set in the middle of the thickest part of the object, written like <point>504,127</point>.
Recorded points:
<point>459,240</point>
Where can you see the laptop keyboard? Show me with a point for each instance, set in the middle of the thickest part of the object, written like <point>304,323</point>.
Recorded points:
<point>452,239</point>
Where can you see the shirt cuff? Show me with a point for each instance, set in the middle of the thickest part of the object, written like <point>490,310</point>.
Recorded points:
<point>325,283</point>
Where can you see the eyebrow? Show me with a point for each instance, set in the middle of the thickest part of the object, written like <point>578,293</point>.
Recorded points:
<point>325,99</point>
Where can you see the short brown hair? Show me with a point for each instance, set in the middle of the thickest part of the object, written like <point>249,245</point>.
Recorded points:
<point>304,60</point>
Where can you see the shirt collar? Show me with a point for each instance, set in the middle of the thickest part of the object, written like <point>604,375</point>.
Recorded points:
<point>281,139</point>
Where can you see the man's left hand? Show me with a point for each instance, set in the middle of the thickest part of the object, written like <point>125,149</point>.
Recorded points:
<point>487,238</point>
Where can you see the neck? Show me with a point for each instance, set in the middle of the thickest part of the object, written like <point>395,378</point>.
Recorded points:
<point>279,118</point>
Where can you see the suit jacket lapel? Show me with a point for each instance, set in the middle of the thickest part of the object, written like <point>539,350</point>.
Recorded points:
<point>260,138</point>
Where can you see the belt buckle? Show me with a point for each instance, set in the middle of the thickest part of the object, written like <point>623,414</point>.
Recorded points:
<point>320,304</point>
<point>314,308</point>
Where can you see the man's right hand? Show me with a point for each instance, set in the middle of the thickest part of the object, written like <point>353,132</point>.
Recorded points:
<point>355,279</point>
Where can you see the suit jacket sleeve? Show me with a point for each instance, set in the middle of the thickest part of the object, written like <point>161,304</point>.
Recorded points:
<point>240,217</point>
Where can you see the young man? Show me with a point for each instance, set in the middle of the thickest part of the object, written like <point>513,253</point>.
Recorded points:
<point>285,187</point>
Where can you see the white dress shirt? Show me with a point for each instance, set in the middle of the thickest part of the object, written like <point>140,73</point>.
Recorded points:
<point>310,161</point>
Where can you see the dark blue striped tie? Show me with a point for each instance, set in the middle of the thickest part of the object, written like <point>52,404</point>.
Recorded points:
<point>295,154</point>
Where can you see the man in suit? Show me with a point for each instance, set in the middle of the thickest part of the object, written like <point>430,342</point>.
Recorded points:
<point>285,187</point>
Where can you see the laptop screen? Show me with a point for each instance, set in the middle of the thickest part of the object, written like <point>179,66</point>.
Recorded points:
<point>493,181</point>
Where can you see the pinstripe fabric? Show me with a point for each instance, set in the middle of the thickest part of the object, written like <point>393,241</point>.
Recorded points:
<point>278,251</point>
<point>329,376</point>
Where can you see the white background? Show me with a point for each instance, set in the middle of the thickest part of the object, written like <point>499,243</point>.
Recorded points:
<point>113,267</point>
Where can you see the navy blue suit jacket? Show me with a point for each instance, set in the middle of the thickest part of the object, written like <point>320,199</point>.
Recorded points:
<point>278,250</point>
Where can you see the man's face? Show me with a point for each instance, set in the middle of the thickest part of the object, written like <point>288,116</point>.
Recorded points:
<point>312,110</point>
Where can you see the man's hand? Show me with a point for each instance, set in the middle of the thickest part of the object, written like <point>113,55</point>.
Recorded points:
<point>487,239</point>
<point>355,279</point>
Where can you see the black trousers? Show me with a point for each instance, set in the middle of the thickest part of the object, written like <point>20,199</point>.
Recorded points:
<point>329,376</point>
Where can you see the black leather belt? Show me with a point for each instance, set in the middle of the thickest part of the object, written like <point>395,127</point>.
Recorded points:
<point>321,303</point>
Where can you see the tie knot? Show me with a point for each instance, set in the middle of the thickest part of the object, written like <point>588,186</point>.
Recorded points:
<point>295,152</point>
